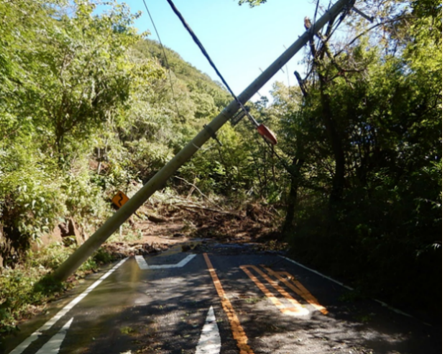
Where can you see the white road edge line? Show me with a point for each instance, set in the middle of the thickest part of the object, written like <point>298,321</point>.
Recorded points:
<point>55,343</point>
<point>144,266</point>
<point>349,288</point>
<point>63,311</point>
<point>318,273</point>
<point>209,342</point>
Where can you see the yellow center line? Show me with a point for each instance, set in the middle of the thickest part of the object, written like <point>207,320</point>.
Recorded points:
<point>237,329</point>
<point>297,309</point>
<point>298,288</point>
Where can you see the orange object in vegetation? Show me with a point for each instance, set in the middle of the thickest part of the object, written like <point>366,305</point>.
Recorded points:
<point>267,134</point>
<point>120,199</point>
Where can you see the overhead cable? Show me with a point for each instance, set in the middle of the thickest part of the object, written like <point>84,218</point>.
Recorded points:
<point>200,45</point>
<point>166,59</point>
<point>205,53</point>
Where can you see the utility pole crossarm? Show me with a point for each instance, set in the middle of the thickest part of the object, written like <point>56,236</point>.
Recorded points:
<point>113,223</point>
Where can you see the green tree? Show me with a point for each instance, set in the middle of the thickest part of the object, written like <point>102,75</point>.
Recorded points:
<point>252,3</point>
<point>375,115</point>
<point>64,76</point>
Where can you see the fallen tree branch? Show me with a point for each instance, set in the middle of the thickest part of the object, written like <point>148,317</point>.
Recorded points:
<point>196,188</point>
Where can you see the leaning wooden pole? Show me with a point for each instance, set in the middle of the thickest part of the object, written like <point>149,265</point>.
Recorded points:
<point>113,223</point>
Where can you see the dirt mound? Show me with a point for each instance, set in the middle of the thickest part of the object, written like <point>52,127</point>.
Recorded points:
<point>163,225</point>
<point>203,220</point>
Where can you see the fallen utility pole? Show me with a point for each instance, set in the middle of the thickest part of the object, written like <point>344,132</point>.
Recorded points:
<point>113,223</point>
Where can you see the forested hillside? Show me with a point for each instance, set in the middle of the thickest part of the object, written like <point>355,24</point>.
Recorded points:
<point>86,109</point>
<point>364,142</point>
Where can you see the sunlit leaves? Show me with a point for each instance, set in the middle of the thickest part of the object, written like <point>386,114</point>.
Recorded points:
<point>64,74</point>
<point>251,3</point>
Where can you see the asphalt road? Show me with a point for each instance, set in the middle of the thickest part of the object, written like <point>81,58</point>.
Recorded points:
<point>224,300</point>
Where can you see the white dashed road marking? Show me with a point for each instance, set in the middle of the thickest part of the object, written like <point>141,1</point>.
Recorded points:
<point>209,342</point>
<point>143,265</point>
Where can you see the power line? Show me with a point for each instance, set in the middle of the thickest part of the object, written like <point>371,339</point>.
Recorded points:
<point>166,59</point>
<point>200,45</point>
<point>205,53</point>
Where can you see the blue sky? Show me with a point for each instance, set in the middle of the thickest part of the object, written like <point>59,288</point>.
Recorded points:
<point>240,40</point>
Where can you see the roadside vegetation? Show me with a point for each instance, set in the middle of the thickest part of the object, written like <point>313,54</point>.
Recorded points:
<point>86,109</point>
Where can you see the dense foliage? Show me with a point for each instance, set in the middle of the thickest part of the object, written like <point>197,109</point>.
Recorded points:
<point>86,108</point>
<point>363,145</point>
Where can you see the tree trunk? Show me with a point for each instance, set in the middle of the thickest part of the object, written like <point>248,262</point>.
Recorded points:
<point>338,180</point>
<point>292,198</point>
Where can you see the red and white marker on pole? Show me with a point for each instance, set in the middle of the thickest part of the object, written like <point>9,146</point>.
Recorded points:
<point>263,130</point>
<point>267,134</point>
